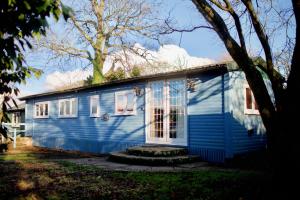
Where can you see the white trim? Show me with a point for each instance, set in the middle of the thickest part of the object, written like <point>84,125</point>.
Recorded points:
<point>98,105</point>
<point>71,108</point>
<point>147,113</point>
<point>186,113</point>
<point>41,103</point>
<point>166,139</point>
<point>248,111</point>
<point>124,92</point>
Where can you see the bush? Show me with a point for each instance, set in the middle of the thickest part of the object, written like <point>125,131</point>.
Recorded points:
<point>116,75</point>
<point>135,71</point>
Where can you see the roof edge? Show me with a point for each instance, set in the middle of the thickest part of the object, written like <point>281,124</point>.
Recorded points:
<point>223,65</point>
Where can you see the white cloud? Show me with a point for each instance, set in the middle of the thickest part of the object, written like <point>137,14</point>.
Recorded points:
<point>168,57</point>
<point>59,79</point>
<point>172,56</point>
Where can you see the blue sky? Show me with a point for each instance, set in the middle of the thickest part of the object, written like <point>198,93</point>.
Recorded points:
<point>200,43</point>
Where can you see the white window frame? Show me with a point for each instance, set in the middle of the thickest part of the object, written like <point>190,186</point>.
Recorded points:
<point>71,108</point>
<point>124,92</point>
<point>97,98</point>
<point>248,111</point>
<point>43,104</point>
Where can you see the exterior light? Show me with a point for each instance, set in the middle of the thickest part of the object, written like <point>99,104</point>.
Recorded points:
<point>138,91</point>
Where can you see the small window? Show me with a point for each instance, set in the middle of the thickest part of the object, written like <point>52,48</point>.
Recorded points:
<point>94,106</point>
<point>15,119</point>
<point>42,110</point>
<point>67,107</point>
<point>250,103</point>
<point>125,103</point>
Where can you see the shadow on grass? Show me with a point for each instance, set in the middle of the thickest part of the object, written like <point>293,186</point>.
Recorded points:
<point>31,176</point>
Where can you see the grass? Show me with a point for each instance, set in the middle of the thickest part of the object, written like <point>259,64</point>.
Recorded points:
<point>30,176</point>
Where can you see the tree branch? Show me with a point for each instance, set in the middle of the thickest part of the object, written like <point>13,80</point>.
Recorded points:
<point>253,76</point>
<point>82,32</point>
<point>263,38</point>
<point>171,29</point>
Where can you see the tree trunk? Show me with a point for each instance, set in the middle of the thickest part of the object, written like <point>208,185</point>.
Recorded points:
<point>289,131</point>
<point>98,64</point>
<point>280,120</point>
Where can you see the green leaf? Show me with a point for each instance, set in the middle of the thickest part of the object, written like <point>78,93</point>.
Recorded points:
<point>21,17</point>
<point>66,11</point>
<point>11,2</point>
<point>27,5</point>
<point>44,6</point>
<point>37,35</point>
<point>36,72</point>
<point>56,13</point>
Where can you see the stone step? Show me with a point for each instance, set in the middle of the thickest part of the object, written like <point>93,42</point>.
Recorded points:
<point>156,151</point>
<point>124,157</point>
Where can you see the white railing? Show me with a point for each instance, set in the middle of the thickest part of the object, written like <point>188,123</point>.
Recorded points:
<point>14,129</point>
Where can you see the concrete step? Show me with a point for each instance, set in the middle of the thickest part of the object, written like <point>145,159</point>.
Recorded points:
<point>124,157</point>
<point>157,151</point>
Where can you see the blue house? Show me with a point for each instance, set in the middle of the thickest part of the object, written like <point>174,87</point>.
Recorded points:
<point>210,110</point>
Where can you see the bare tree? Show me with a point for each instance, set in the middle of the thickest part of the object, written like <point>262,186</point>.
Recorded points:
<point>278,118</point>
<point>100,28</point>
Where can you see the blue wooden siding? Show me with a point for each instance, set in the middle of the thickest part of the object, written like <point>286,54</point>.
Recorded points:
<point>239,123</point>
<point>28,117</point>
<point>85,133</point>
<point>217,125</point>
<point>205,117</point>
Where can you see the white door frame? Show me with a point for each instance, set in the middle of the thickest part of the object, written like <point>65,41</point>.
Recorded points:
<point>166,139</point>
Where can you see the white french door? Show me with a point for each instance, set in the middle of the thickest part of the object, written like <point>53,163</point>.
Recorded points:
<point>166,112</point>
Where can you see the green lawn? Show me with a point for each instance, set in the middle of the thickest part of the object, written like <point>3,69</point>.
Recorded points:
<point>29,176</point>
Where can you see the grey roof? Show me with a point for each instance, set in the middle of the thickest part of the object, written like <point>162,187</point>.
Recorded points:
<point>21,106</point>
<point>187,71</point>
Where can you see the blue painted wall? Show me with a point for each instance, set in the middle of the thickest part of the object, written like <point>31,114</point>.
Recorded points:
<point>85,133</point>
<point>238,123</point>
<point>205,117</point>
<point>217,125</point>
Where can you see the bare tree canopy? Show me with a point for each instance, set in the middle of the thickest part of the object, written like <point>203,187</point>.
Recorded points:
<point>234,21</point>
<point>100,28</point>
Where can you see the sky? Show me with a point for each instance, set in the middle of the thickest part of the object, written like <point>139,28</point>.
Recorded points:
<point>200,46</point>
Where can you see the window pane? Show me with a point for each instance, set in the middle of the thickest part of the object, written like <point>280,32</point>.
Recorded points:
<point>37,110</point>
<point>176,103</point>
<point>61,107</point>
<point>94,105</point>
<point>67,104</point>
<point>120,103</point>
<point>18,117</point>
<point>13,119</point>
<point>130,102</point>
<point>74,107</point>
<point>46,109</point>
<point>41,110</point>
<point>248,98</point>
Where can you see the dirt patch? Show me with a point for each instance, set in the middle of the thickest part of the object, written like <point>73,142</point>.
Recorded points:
<point>47,153</point>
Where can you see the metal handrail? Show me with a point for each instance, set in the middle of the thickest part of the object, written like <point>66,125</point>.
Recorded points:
<point>15,131</point>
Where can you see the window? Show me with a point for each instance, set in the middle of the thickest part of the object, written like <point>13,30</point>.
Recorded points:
<point>15,119</point>
<point>67,107</point>
<point>94,106</point>
<point>42,110</point>
<point>125,103</point>
<point>250,104</point>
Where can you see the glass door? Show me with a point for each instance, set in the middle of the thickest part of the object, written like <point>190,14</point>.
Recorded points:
<point>166,112</point>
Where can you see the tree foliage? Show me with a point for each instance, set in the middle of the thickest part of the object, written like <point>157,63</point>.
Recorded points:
<point>20,21</point>
<point>118,74</point>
